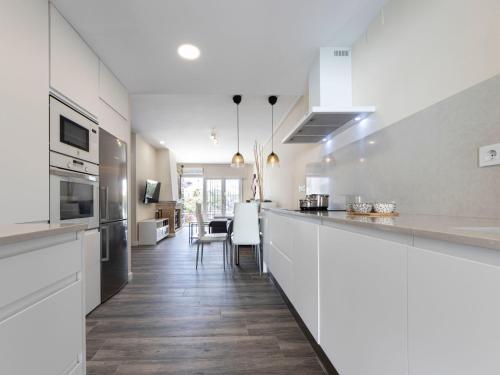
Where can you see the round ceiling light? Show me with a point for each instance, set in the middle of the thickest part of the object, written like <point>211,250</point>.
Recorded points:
<point>188,51</point>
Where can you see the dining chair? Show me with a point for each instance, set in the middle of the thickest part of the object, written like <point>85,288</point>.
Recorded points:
<point>204,237</point>
<point>246,230</point>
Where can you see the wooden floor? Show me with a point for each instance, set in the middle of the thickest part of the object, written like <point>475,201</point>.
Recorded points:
<point>172,319</point>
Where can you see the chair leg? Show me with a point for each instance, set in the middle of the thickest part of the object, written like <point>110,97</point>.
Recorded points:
<point>202,252</point>
<point>197,254</point>
<point>259,260</point>
<point>224,254</point>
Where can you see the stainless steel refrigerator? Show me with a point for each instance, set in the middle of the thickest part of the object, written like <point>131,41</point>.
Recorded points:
<point>113,213</point>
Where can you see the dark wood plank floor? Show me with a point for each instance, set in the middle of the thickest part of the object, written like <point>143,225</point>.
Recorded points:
<point>172,319</point>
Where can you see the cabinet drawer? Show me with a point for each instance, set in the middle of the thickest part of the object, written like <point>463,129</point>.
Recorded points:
<point>282,270</point>
<point>46,338</point>
<point>33,271</point>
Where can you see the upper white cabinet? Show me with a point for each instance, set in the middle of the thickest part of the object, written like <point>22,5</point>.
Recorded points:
<point>113,92</point>
<point>363,298</point>
<point>24,114</point>
<point>74,68</point>
<point>454,310</point>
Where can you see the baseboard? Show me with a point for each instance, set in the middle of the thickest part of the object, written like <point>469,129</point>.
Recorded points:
<point>323,358</point>
<point>135,243</point>
<point>130,276</point>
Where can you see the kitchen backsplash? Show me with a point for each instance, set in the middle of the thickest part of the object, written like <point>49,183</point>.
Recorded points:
<point>428,162</point>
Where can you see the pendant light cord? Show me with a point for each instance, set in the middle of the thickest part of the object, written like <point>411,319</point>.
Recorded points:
<point>238,125</point>
<point>272,128</point>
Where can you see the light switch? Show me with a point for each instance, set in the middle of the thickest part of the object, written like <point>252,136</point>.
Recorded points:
<point>302,188</point>
<point>489,155</point>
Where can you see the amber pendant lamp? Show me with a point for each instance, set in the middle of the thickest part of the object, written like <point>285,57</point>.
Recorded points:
<point>273,160</point>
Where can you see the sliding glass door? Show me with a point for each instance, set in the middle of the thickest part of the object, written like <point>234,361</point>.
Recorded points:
<point>220,195</point>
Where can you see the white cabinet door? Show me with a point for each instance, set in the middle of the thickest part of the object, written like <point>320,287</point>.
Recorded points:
<point>305,273</point>
<point>282,234</point>
<point>45,338</point>
<point>454,310</point>
<point>113,123</point>
<point>281,269</point>
<point>74,68</point>
<point>112,91</point>
<point>92,249</point>
<point>24,82</point>
<point>363,299</point>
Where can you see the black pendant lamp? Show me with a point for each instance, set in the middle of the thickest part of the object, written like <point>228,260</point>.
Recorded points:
<point>238,161</point>
<point>272,160</point>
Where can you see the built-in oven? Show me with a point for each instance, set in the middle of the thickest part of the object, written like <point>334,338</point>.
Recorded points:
<point>74,191</point>
<point>73,134</point>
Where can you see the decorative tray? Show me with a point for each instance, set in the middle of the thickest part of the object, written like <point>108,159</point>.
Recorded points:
<point>374,214</point>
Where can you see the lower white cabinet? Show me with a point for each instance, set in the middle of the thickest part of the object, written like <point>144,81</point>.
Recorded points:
<point>363,303</point>
<point>42,323</point>
<point>281,268</point>
<point>305,274</point>
<point>454,314</point>
<point>92,250</point>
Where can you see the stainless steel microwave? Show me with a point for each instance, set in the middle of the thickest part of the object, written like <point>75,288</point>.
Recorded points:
<point>73,134</point>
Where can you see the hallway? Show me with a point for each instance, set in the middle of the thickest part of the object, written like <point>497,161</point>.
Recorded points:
<point>171,319</point>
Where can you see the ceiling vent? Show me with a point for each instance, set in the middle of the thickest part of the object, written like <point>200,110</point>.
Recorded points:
<point>330,99</point>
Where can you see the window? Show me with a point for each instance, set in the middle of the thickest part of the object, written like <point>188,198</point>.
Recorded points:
<point>220,196</point>
<point>191,193</point>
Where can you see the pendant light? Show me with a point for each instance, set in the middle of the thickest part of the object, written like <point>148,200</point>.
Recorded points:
<point>272,160</point>
<point>238,161</point>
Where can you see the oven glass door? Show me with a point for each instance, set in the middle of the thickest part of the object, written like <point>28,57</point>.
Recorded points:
<point>74,198</point>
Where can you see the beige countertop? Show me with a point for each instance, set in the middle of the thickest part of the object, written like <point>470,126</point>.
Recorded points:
<point>12,233</point>
<point>464,230</point>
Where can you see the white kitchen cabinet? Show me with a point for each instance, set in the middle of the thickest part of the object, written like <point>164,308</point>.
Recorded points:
<point>363,302</point>
<point>281,269</point>
<point>74,67</point>
<point>113,123</point>
<point>282,233</point>
<point>305,273</point>
<point>42,326</point>
<point>112,91</point>
<point>24,78</point>
<point>92,250</point>
<point>454,310</point>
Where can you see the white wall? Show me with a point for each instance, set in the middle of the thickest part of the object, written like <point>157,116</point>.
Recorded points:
<point>424,52</point>
<point>417,53</point>
<point>145,167</point>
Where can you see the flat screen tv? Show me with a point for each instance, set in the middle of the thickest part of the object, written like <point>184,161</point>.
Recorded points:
<point>152,191</point>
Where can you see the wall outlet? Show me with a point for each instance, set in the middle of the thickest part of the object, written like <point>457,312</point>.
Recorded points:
<point>302,188</point>
<point>489,155</point>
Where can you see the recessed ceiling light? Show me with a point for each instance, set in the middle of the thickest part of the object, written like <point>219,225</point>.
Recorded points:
<point>357,118</point>
<point>371,142</point>
<point>188,51</point>
<point>362,160</point>
<point>324,139</point>
<point>162,142</point>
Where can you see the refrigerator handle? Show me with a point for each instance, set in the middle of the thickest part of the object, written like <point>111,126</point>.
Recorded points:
<point>105,257</point>
<point>104,202</point>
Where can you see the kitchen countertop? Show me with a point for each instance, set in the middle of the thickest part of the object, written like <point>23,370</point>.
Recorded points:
<point>12,233</point>
<point>464,230</point>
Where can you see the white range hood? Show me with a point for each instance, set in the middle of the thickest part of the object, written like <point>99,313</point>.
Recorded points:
<point>330,99</point>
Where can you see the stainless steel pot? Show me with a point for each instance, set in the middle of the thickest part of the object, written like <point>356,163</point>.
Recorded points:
<point>308,204</point>
<point>321,200</point>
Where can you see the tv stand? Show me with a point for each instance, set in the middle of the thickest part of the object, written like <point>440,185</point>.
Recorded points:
<point>152,231</point>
